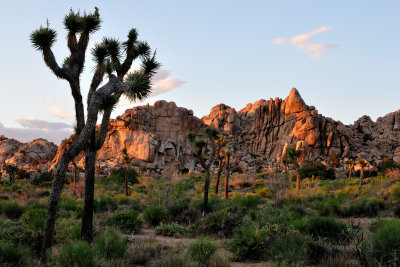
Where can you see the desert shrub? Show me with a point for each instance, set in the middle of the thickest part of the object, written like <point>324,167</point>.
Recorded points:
<point>202,249</point>
<point>316,252</point>
<point>11,209</point>
<point>264,192</point>
<point>77,253</point>
<point>122,199</point>
<point>318,170</point>
<point>12,256</point>
<point>171,229</point>
<point>103,203</point>
<point>249,201</point>
<point>394,192</point>
<point>222,222</point>
<point>290,248</point>
<point>364,207</point>
<point>34,218</point>
<point>385,244</point>
<point>322,227</point>
<point>328,206</point>
<point>388,164</point>
<point>70,204</point>
<point>367,173</point>
<point>22,174</point>
<point>67,230</point>
<point>176,260</point>
<point>154,215</point>
<point>214,203</point>
<point>178,207</point>
<point>182,213</point>
<point>126,221</point>
<point>42,178</point>
<point>254,242</point>
<point>110,244</point>
<point>118,176</point>
<point>144,250</point>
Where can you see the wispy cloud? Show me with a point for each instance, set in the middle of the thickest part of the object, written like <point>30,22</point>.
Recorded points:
<point>303,43</point>
<point>58,112</point>
<point>33,129</point>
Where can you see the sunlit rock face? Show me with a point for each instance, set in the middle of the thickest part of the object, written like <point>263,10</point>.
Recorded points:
<point>155,136</point>
<point>37,153</point>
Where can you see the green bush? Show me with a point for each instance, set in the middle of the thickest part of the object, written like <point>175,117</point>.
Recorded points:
<point>34,218</point>
<point>77,253</point>
<point>202,249</point>
<point>11,256</point>
<point>103,203</point>
<point>290,248</point>
<point>249,201</point>
<point>171,229</point>
<point>126,221</point>
<point>70,204</point>
<point>67,230</point>
<point>222,222</point>
<point>176,260</point>
<point>12,209</point>
<point>322,227</point>
<point>364,207</point>
<point>118,176</point>
<point>318,170</point>
<point>42,178</point>
<point>110,244</point>
<point>154,215</point>
<point>142,251</point>
<point>213,204</point>
<point>385,244</point>
<point>22,174</point>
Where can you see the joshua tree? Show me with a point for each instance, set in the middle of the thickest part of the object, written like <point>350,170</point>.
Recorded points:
<point>68,142</point>
<point>292,157</point>
<point>228,150</point>
<point>110,62</point>
<point>219,154</point>
<point>362,163</point>
<point>200,151</point>
<point>350,165</point>
<point>127,161</point>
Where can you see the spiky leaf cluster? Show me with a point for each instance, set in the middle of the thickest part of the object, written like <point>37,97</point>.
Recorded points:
<point>113,47</point>
<point>109,103</point>
<point>76,23</point>
<point>43,38</point>
<point>67,61</point>
<point>150,65</point>
<point>141,86</point>
<point>143,49</point>
<point>133,35</point>
<point>210,132</point>
<point>99,53</point>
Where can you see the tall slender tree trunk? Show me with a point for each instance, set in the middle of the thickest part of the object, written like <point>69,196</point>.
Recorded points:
<point>206,187</point>
<point>126,180</point>
<point>349,173</point>
<point>361,179</point>
<point>298,180</point>
<point>227,170</point>
<point>218,176</point>
<point>75,175</point>
<point>88,206</point>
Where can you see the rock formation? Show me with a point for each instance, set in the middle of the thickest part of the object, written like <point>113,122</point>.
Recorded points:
<point>155,136</point>
<point>37,153</point>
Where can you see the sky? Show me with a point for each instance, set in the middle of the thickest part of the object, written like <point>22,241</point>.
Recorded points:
<point>342,56</point>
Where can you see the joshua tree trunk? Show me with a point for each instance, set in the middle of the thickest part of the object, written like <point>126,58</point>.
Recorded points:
<point>361,178</point>
<point>87,216</point>
<point>349,173</point>
<point>218,176</point>
<point>75,175</point>
<point>227,170</point>
<point>206,187</point>
<point>126,180</point>
<point>297,179</point>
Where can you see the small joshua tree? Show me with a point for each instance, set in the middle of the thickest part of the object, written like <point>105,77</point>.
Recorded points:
<point>200,146</point>
<point>362,163</point>
<point>113,60</point>
<point>292,157</point>
<point>228,151</point>
<point>219,154</point>
<point>350,165</point>
<point>127,161</point>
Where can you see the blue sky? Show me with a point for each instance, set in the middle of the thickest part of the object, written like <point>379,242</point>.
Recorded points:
<point>342,56</point>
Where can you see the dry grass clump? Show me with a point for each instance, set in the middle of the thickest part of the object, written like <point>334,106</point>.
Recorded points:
<point>143,251</point>
<point>243,181</point>
<point>393,173</point>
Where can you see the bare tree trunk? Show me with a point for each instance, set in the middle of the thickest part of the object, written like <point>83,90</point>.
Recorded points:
<point>361,179</point>
<point>218,176</point>
<point>75,175</point>
<point>297,180</point>
<point>126,180</point>
<point>90,167</point>
<point>206,187</point>
<point>227,170</point>
<point>349,173</point>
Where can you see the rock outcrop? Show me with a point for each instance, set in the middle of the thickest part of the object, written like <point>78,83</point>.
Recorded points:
<point>37,153</point>
<point>155,136</point>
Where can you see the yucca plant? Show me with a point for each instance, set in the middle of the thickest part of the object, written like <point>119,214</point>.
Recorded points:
<point>113,60</point>
<point>200,146</point>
